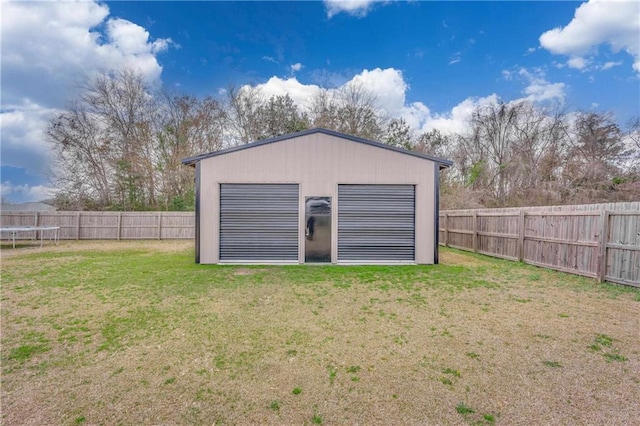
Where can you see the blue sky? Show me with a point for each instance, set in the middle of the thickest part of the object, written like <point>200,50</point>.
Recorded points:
<point>428,62</point>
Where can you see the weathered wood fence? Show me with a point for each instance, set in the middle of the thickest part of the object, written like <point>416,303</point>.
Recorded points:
<point>108,225</point>
<point>595,240</point>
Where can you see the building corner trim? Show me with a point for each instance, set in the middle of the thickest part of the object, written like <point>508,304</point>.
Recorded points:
<point>197,208</point>
<point>436,212</point>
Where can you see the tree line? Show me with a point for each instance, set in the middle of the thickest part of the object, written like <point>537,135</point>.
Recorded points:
<point>119,145</point>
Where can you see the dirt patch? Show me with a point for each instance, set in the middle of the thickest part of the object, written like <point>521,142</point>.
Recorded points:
<point>167,246</point>
<point>244,271</point>
<point>461,259</point>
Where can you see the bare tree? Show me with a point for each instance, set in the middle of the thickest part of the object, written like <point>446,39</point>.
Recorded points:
<point>82,158</point>
<point>188,126</point>
<point>104,143</point>
<point>399,134</point>
<point>124,107</point>
<point>323,111</point>
<point>357,112</point>
<point>515,154</point>
<point>280,116</point>
<point>539,152</point>
<point>595,159</point>
<point>435,142</point>
<point>351,110</point>
<point>633,145</point>
<point>244,114</point>
<point>119,145</point>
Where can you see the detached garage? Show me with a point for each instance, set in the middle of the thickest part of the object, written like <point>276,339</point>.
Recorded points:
<point>316,196</point>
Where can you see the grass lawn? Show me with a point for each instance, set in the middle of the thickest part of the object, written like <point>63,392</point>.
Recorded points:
<point>136,333</point>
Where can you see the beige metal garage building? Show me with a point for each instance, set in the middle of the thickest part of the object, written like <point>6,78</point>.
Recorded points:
<point>316,196</point>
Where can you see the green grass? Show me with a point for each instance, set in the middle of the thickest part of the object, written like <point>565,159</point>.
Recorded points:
<point>463,409</point>
<point>333,372</point>
<point>24,352</point>
<point>451,371</point>
<point>611,356</point>
<point>489,418</point>
<point>171,342</point>
<point>446,381</point>
<point>604,340</point>
<point>275,405</point>
<point>133,270</point>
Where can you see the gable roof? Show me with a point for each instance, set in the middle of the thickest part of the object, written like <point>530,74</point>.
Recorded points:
<point>191,161</point>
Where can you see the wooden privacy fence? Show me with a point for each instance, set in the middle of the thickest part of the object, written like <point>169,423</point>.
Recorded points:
<point>108,225</point>
<point>598,241</point>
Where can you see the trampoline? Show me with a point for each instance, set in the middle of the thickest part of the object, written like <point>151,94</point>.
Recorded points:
<point>13,230</point>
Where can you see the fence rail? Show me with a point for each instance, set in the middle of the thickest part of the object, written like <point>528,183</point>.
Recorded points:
<point>108,225</point>
<point>600,240</point>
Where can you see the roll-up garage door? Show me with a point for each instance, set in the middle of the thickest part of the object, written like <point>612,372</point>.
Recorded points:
<point>259,222</point>
<point>376,223</point>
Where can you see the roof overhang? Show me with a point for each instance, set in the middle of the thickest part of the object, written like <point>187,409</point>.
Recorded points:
<point>442,163</point>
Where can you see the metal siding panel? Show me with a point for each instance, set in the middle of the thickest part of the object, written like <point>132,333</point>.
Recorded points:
<point>259,222</point>
<point>376,222</point>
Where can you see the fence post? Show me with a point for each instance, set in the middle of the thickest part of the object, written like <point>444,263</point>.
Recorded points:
<point>119,225</point>
<point>78,227</point>
<point>36,216</point>
<point>446,229</point>
<point>604,240</point>
<point>475,231</point>
<point>521,235</point>
<point>159,224</point>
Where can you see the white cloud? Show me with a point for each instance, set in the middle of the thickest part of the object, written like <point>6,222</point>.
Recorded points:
<point>611,22</point>
<point>296,67</point>
<point>300,93</point>
<point>23,138</point>
<point>358,8</point>
<point>457,120</point>
<point>539,89</point>
<point>48,49</point>
<point>610,64</point>
<point>577,62</point>
<point>390,89</point>
<point>128,37</point>
<point>25,193</point>
<point>388,85</point>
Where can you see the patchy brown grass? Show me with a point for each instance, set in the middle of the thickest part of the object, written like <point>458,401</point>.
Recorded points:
<point>33,247</point>
<point>134,333</point>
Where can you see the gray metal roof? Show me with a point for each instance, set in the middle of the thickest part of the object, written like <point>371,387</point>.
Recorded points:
<point>191,161</point>
<point>27,207</point>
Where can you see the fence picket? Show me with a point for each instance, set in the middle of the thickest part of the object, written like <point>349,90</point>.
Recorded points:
<point>108,225</point>
<point>595,240</point>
